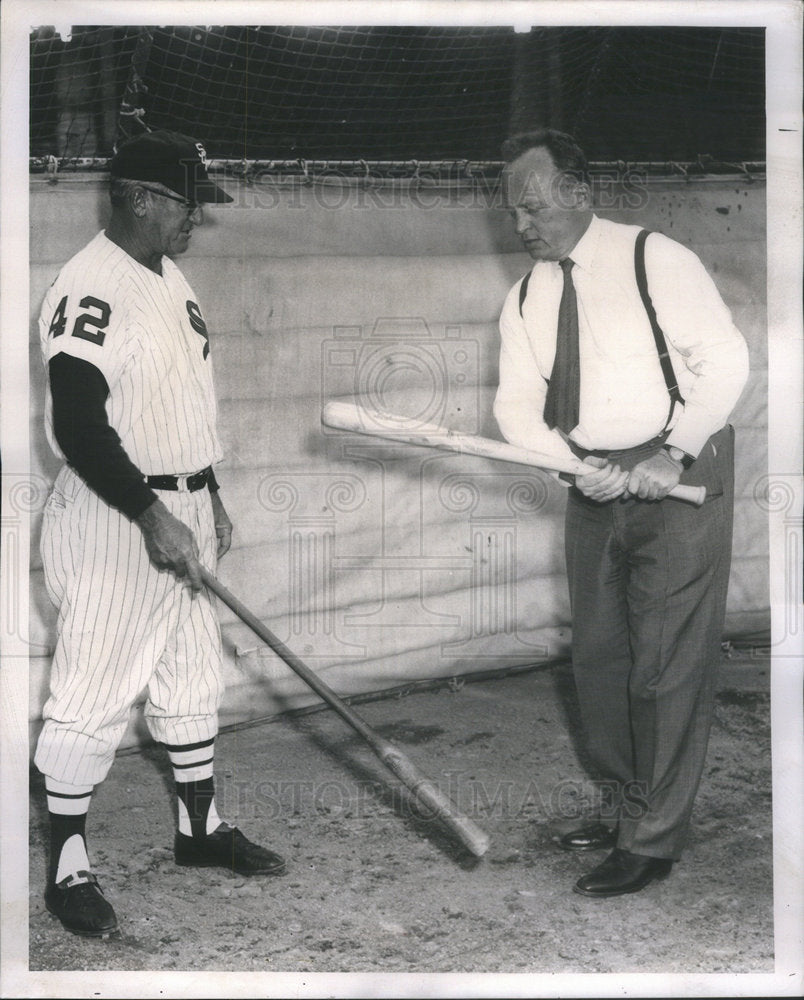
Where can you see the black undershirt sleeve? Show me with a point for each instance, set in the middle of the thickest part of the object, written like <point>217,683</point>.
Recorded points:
<point>90,445</point>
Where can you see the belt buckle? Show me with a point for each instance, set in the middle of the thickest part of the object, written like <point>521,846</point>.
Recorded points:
<point>183,483</point>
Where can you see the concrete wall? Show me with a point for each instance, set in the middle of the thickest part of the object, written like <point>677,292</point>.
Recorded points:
<point>377,562</point>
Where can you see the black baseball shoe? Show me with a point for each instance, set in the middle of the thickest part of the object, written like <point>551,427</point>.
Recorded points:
<point>227,848</point>
<point>80,905</point>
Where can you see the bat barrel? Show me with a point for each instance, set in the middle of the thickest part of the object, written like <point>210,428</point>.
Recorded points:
<point>361,419</point>
<point>429,795</point>
<point>467,832</point>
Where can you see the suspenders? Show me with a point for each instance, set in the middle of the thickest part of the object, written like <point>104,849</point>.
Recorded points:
<point>523,290</point>
<point>658,335</point>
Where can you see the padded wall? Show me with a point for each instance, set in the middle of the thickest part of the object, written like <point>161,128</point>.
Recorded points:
<point>380,563</point>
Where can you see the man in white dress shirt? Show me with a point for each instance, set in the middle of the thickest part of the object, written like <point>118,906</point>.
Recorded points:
<point>618,348</point>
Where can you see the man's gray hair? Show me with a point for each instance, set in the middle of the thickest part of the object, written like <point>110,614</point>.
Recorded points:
<point>119,190</point>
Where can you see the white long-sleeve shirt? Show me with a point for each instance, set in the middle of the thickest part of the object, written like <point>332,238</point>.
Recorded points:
<point>623,396</point>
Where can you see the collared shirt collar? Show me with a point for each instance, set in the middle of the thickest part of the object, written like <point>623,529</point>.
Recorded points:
<point>583,253</point>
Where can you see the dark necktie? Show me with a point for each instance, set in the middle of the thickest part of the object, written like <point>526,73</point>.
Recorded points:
<point>564,391</point>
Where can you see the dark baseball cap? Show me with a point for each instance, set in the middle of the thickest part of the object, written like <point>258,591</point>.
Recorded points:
<point>168,158</point>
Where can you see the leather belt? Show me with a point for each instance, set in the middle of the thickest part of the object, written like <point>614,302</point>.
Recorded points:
<point>614,454</point>
<point>188,484</point>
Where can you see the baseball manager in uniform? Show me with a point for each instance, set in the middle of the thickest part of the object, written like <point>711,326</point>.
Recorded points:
<point>133,515</point>
<point>617,348</point>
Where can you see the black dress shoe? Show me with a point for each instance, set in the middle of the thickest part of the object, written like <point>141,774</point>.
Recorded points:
<point>622,872</point>
<point>591,837</point>
<point>226,847</point>
<point>80,905</point>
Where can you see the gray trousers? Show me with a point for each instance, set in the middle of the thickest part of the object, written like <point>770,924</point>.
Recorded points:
<point>648,586</point>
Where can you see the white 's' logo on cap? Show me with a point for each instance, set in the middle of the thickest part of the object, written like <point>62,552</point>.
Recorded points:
<point>202,153</point>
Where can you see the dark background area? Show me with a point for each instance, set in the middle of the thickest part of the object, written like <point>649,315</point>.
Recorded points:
<point>401,93</point>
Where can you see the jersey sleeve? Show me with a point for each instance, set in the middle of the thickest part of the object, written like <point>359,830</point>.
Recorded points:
<point>85,316</point>
<point>91,446</point>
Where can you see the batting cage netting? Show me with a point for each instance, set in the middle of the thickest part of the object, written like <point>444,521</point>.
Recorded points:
<point>392,99</point>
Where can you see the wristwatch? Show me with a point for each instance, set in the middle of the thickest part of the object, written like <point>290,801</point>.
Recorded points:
<point>678,455</point>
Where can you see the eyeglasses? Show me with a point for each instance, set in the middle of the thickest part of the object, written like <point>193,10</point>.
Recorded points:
<point>190,207</point>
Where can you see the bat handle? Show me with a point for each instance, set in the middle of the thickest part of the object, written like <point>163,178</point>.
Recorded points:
<point>692,494</point>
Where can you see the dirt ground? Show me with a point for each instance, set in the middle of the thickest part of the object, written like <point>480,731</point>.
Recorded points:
<point>374,886</point>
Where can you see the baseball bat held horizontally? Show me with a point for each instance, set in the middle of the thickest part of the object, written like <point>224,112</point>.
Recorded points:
<point>378,423</point>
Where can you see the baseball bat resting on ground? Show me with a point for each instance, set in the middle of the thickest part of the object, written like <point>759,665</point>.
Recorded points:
<point>469,834</point>
<point>379,423</point>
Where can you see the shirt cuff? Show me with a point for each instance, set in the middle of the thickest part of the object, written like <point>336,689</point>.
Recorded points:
<point>688,437</point>
<point>137,500</point>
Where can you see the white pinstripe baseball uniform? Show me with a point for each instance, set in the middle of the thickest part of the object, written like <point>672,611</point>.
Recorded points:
<point>123,624</point>
<point>135,510</point>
